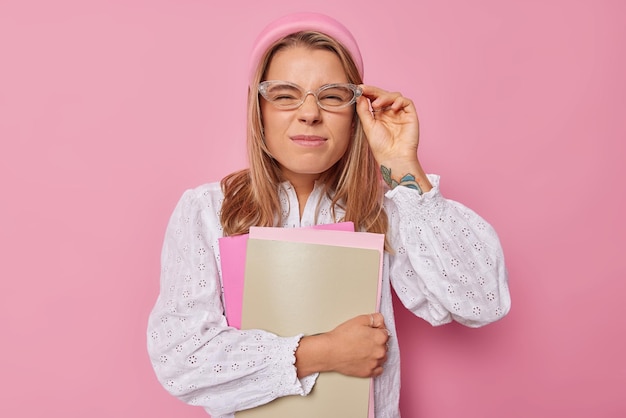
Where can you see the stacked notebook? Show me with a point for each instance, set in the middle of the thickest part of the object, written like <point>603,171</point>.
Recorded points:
<point>304,280</point>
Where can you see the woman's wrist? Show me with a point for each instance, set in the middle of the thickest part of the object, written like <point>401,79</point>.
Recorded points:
<point>312,355</point>
<point>406,175</point>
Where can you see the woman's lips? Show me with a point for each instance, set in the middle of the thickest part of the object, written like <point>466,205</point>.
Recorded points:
<point>308,140</point>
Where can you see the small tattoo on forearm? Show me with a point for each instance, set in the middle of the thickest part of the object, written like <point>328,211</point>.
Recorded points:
<point>408,180</point>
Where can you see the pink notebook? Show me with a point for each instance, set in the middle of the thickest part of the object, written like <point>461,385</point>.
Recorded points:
<point>233,262</point>
<point>335,237</point>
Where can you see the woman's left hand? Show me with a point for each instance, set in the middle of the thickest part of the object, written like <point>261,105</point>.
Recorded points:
<point>391,125</point>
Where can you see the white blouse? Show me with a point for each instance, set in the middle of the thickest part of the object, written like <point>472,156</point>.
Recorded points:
<point>447,265</point>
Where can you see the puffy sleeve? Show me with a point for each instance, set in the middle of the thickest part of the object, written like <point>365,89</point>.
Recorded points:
<point>195,355</point>
<point>447,262</point>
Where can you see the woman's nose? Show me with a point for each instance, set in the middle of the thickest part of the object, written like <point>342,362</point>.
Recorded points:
<point>309,112</point>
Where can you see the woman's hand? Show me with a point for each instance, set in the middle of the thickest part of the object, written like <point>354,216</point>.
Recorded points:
<point>357,347</point>
<point>391,125</point>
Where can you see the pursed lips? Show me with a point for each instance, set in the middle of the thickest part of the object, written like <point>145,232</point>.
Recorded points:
<point>308,140</point>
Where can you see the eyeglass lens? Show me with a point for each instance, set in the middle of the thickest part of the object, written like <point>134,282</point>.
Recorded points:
<point>287,95</point>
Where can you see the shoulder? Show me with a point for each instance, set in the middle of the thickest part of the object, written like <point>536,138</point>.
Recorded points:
<point>205,197</point>
<point>204,192</point>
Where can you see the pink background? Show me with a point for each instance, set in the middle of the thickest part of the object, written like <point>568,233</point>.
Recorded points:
<point>110,109</point>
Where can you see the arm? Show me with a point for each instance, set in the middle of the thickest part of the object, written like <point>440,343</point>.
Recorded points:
<point>195,355</point>
<point>392,128</point>
<point>356,347</point>
<point>448,262</point>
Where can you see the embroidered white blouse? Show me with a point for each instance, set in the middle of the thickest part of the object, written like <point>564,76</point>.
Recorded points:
<point>447,265</point>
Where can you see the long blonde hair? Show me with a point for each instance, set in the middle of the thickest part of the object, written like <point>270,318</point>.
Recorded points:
<point>353,183</point>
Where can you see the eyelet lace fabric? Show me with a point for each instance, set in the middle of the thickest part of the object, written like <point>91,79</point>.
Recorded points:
<point>447,265</point>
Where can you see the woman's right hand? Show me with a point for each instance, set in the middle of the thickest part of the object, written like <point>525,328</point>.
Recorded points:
<point>357,347</point>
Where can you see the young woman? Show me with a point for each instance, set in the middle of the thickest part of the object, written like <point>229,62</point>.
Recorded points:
<point>323,148</point>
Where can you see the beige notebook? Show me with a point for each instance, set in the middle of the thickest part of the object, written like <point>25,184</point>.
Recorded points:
<point>293,288</point>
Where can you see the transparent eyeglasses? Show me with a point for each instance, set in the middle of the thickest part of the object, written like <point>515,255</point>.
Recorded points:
<point>287,96</point>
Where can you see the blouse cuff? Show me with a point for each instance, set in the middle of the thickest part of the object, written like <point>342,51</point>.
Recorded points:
<point>409,202</point>
<point>293,385</point>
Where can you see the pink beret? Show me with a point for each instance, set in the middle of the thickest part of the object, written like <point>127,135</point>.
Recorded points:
<point>298,22</point>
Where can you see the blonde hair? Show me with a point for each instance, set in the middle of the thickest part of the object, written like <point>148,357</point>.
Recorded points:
<point>353,183</point>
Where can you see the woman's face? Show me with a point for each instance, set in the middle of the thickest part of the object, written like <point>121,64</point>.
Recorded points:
<point>308,140</point>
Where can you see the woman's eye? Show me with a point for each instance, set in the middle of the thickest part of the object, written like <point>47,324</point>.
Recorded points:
<point>336,96</point>
<point>284,97</point>
<point>284,94</point>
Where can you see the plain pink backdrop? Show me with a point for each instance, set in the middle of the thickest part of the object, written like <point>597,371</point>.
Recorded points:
<point>109,110</point>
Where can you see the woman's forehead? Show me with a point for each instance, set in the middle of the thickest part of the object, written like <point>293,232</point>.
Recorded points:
<point>303,65</point>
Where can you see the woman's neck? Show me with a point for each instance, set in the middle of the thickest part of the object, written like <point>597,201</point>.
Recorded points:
<point>303,185</point>
<point>303,188</point>
<point>303,191</point>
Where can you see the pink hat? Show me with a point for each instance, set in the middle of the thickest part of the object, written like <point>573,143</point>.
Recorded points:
<point>298,22</point>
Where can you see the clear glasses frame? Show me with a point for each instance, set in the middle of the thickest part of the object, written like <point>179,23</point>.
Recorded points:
<point>288,96</point>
